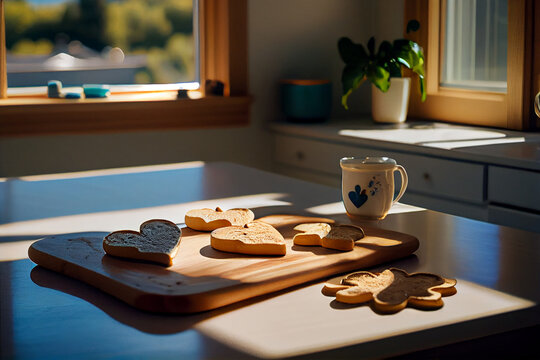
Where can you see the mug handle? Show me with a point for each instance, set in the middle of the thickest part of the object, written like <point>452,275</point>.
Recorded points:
<point>404,182</point>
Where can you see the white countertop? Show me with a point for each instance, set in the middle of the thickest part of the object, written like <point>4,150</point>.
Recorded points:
<point>476,144</point>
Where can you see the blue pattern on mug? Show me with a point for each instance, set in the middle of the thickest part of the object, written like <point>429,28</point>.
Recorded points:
<point>358,197</point>
<point>374,184</point>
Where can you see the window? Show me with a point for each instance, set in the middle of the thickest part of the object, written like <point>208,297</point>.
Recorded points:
<point>480,65</point>
<point>222,26</point>
<point>475,38</point>
<point>101,42</point>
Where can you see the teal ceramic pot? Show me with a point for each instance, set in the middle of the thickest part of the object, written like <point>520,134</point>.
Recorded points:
<point>306,100</point>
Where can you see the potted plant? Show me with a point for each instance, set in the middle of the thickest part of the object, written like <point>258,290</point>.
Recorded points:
<point>383,68</point>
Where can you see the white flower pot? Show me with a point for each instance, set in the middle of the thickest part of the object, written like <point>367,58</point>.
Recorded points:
<point>391,106</point>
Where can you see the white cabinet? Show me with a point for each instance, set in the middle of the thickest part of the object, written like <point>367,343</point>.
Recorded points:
<point>514,187</point>
<point>433,182</point>
<point>514,197</point>
<point>312,155</point>
<point>445,179</point>
<point>478,190</point>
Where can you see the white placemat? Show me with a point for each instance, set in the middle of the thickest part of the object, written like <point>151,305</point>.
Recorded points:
<point>421,136</point>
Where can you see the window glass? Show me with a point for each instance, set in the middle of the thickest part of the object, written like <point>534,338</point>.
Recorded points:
<point>475,44</point>
<point>101,42</point>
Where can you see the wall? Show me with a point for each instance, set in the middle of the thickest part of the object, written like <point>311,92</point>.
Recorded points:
<point>287,38</point>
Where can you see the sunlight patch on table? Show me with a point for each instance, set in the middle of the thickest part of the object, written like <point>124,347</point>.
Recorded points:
<point>15,250</point>
<point>107,172</point>
<point>288,325</point>
<point>132,218</point>
<point>338,208</point>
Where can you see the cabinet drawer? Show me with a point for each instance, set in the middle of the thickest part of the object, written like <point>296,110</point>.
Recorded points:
<point>514,218</point>
<point>452,180</point>
<point>313,154</point>
<point>520,188</point>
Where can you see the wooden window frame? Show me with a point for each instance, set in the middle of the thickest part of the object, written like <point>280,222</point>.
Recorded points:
<point>223,56</point>
<point>512,110</point>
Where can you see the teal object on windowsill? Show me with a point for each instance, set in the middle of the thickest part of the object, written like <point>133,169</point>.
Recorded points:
<point>72,95</point>
<point>96,91</point>
<point>54,89</point>
<point>306,100</point>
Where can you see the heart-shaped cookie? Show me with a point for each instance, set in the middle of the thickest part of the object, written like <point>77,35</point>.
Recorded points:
<point>392,290</point>
<point>358,197</point>
<point>254,238</point>
<point>208,219</point>
<point>157,241</point>
<point>338,237</point>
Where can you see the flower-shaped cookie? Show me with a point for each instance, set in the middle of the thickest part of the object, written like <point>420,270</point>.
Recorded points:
<point>392,290</point>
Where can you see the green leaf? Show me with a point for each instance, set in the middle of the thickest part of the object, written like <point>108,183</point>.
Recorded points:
<point>412,26</point>
<point>351,52</point>
<point>385,52</point>
<point>422,88</point>
<point>378,77</point>
<point>380,67</point>
<point>409,54</point>
<point>352,77</point>
<point>344,99</point>
<point>394,68</point>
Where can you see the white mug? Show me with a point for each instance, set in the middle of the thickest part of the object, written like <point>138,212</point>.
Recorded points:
<point>367,186</point>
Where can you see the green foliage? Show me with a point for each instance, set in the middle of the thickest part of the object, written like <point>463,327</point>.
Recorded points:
<point>161,29</point>
<point>378,67</point>
<point>26,22</point>
<point>413,26</point>
<point>181,52</point>
<point>181,20</point>
<point>91,27</point>
<point>174,61</point>
<point>135,24</point>
<point>29,47</point>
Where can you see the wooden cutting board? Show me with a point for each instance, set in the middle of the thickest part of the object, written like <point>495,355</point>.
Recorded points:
<point>202,278</point>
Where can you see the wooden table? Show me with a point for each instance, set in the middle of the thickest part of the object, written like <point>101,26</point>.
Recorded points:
<point>44,314</point>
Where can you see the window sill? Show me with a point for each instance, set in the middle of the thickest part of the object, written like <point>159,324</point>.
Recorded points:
<point>119,113</point>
